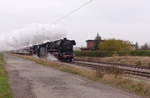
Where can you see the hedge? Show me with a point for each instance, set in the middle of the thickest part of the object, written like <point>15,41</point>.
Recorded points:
<point>111,53</point>
<point>140,53</point>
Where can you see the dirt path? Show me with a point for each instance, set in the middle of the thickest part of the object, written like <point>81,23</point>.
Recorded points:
<point>31,80</point>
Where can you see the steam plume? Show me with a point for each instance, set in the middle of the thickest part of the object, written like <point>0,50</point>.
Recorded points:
<point>30,35</point>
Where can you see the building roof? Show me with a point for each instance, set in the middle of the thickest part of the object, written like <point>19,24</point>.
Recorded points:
<point>90,40</point>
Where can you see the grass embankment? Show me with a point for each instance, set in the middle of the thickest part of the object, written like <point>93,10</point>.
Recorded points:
<point>133,60</point>
<point>108,77</point>
<point>5,91</point>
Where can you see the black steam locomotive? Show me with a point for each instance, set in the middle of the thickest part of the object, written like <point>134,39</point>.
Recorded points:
<point>61,49</point>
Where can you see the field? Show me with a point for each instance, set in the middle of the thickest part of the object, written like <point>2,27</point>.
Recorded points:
<point>133,60</point>
<point>5,91</point>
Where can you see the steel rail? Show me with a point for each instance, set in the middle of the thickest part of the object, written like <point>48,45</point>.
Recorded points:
<point>118,64</point>
<point>139,71</point>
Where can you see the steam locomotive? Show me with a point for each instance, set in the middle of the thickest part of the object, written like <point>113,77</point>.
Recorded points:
<point>61,49</point>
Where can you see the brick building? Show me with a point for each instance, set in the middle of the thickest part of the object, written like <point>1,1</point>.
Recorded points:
<point>91,44</point>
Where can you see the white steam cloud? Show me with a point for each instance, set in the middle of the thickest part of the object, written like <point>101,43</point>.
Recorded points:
<point>30,35</point>
<point>51,57</point>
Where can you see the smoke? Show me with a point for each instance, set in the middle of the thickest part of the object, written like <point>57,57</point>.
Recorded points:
<point>51,58</point>
<point>30,35</point>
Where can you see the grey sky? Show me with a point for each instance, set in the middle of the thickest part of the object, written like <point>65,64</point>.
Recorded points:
<point>122,19</point>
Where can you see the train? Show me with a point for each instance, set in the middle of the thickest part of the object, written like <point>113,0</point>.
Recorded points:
<point>61,49</point>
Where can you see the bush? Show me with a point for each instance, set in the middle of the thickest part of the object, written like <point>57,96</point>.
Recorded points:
<point>115,45</point>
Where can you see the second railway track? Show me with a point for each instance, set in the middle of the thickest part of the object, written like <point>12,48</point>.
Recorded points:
<point>124,68</point>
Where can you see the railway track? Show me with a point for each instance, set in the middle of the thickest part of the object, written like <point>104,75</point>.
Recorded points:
<point>142,71</point>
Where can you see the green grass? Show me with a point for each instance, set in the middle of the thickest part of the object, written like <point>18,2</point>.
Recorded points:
<point>69,71</point>
<point>5,91</point>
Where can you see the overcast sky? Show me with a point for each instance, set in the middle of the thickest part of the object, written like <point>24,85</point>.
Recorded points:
<point>121,19</point>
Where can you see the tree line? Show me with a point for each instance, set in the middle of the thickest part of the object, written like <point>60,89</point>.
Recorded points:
<point>118,45</point>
